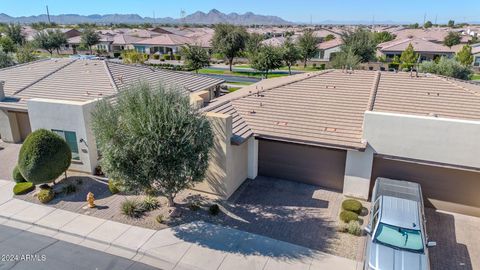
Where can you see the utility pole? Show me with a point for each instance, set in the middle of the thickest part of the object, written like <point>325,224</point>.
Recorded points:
<point>424,18</point>
<point>436,16</point>
<point>48,16</point>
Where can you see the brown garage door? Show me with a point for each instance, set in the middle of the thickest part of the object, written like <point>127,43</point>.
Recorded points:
<point>312,165</point>
<point>447,189</point>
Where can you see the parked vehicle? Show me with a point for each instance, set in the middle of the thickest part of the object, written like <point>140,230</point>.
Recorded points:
<point>397,237</point>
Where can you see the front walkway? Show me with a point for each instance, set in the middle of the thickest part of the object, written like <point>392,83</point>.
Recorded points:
<point>196,245</point>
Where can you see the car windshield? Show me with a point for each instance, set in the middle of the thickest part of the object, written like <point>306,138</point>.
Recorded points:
<point>398,237</point>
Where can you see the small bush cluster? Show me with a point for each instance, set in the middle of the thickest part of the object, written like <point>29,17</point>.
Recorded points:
<point>23,188</point>
<point>131,208</point>
<point>113,186</point>
<point>352,205</point>
<point>347,216</point>
<point>353,227</point>
<point>150,203</point>
<point>134,208</point>
<point>45,195</point>
<point>17,176</point>
<point>214,209</point>
<point>171,67</point>
<point>160,219</point>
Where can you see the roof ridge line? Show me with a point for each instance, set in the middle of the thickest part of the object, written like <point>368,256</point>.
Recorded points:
<point>110,76</point>
<point>373,92</point>
<point>45,76</point>
<point>269,88</point>
<point>452,81</point>
<point>24,64</point>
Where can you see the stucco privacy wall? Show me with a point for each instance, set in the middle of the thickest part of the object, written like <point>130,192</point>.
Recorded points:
<point>67,116</point>
<point>228,163</point>
<point>440,140</point>
<point>9,130</point>
<point>358,171</point>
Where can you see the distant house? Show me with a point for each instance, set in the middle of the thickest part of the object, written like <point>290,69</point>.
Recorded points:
<point>59,95</point>
<point>123,42</point>
<point>428,50</point>
<point>476,54</point>
<point>327,49</point>
<point>105,44</point>
<point>163,44</point>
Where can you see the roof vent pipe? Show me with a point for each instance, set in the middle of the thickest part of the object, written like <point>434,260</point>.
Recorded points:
<point>2,90</point>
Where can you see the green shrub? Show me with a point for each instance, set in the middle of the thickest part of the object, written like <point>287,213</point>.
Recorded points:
<point>167,57</point>
<point>44,156</point>
<point>69,189</point>
<point>113,186</point>
<point>156,56</point>
<point>160,219</point>
<point>45,195</point>
<point>214,209</point>
<point>149,203</point>
<point>178,57</point>
<point>194,206</point>
<point>353,227</point>
<point>23,187</point>
<point>131,208</point>
<point>347,216</point>
<point>352,205</point>
<point>17,176</point>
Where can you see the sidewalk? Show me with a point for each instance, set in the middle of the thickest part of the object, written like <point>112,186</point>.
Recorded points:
<point>196,245</point>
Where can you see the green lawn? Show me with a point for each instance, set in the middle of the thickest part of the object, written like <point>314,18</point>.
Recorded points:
<point>238,73</point>
<point>476,77</point>
<point>233,89</point>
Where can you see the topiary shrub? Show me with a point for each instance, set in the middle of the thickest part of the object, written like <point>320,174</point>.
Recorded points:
<point>354,228</point>
<point>45,195</point>
<point>44,156</point>
<point>17,176</point>
<point>112,186</point>
<point>214,209</point>
<point>23,188</point>
<point>178,57</point>
<point>347,216</point>
<point>352,205</point>
<point>167,57</point>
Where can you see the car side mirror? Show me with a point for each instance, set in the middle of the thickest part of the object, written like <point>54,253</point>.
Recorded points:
<point>431,243</point>
<point>367,229</point>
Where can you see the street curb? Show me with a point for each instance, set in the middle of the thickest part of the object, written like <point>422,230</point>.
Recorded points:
<point>135,251</point>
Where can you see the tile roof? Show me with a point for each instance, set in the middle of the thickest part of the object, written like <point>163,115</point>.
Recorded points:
<point>327,108</point>
<point>83,80</point>
<point>167,40</point>
<point>419,45</point>
<point>330,44</point>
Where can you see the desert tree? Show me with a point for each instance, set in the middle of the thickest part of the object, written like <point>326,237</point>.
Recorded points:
<point>153,139</point>
<point>7,44</point>
<point>253,43</point>
<point>451,39</point>
<point>290,54</point>
<point>26,53</point>
<point>229,40</point>
<point>307,44</point>
<point>464,56</point>
<point>266,58</point>
<point>90,38</point>
<point>50,40</point>
<point>14,32</point>
<point>361,42</point>
<point>409,57</point>
<point>346,60</point>
<point>195,57</point>
<point>6,59</point>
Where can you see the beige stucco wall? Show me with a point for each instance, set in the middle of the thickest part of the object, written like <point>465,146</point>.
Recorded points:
<point>440,140</point>
<point>68,116</point>
<point>9,129</point>
<point>228,163</point>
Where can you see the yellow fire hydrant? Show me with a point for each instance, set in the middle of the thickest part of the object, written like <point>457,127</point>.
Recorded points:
<point>91,200</point>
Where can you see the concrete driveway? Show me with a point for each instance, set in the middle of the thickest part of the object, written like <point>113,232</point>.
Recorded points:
<point>8,159</point>
<point>458,240</point>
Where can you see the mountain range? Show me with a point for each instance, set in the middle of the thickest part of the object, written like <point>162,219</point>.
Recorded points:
<point>212,17</point>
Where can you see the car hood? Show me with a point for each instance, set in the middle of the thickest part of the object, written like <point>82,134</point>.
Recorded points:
<point>381,257</point>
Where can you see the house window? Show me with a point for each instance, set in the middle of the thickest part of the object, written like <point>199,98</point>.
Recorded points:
<point>71,138</point>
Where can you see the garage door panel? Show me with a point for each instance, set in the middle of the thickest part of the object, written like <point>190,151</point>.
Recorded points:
<point>446,189</point>
<point>307,164</point>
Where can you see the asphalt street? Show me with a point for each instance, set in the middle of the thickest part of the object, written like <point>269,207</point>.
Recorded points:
<point>22,250</point>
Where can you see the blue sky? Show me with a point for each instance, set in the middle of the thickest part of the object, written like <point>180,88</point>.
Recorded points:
<point>293,10</point>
